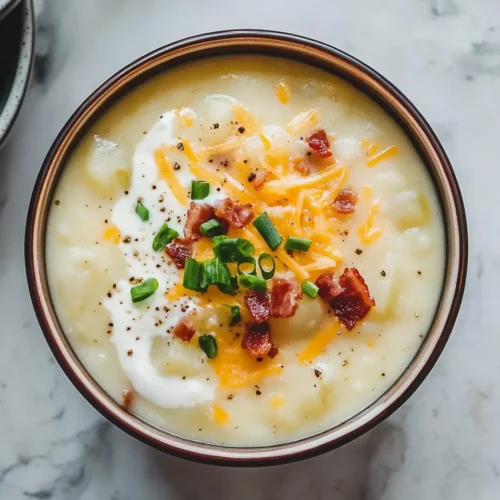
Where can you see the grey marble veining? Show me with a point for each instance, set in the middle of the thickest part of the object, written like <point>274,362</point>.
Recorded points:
<point>444,443</point>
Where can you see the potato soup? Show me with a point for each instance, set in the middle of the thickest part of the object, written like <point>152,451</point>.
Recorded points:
<point>245,251</point>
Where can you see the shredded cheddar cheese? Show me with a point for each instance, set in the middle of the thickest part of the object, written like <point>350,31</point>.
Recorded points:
<point>168,175</point>
<point>318,344</point>
<point>283,92</point>
<point>186,116</point>
<point>301,121</point>
<point>292,264</point>
<point>383,155</point>
<point>219,415</point>
<point>245,119</point>
<point>367,192</point>
<point>111,234</point>
<point>367,233</point>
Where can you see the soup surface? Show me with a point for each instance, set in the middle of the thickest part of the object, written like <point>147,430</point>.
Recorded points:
<point>245,251</point>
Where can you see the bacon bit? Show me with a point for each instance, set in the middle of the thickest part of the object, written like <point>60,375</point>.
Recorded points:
<point>179,250</point>
<point>319,143</point>
<point>257,340</point>
<point>185,330</point>
<point>237,214</point>
<point>198,214</point>
<point>345,202</point>
<point>259,180</point>
<point>284,297</point>
<point>127,399</point>
<point>329,287</point>
<point>274,351</point>
<point>355,301</point>
<point>258,304</point>
<point>301,166</point>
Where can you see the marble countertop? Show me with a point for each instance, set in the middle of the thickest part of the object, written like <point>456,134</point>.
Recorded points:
<point>445,442</point>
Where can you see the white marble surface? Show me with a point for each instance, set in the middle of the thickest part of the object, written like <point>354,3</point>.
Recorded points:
<point>444,443</point>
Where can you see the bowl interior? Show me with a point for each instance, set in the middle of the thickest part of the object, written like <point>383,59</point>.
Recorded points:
<point>366,80</point>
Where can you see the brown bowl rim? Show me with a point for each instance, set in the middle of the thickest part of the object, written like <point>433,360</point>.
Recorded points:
<point>368,81</point>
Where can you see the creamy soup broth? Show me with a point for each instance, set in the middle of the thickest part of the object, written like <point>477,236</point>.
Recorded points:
<point>236,117</point>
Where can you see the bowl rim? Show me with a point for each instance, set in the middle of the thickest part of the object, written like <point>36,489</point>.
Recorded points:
<point>24,69</point>
<point>428,147</point>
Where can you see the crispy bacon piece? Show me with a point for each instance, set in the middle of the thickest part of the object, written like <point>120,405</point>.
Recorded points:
<point>127,398</point>
<point>237,214</point>
<point>301,166</point>
<point>258,304</point>
<point>284,297</point>
<point>329,287</point>
<point>179,250</point>
<point>197,214</point>
<point>319,143</point>
<point>185,329</point>
<point>355,301</point>
<point>274,351</point>
<point>345,202</point>
<point>259,180</point>
<point>257,340</point>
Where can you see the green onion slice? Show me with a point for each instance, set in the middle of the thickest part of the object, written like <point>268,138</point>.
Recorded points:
<point>243,266</point>
<point>309,288</point>
<point>192,275</point>
<point>144,290</point>
<point>212,228</point>
<point>199,190</point>
<point>267,230</point>
<point>267,270</point>
<point>142,211</point>
<point>214,272</point>
<point>297,244</point>
<point>232,249</point>
<point>208,345</point>
<point>253,282</point>
<point>232,287</point>
<point>235,315</point>
<point>163,237</point>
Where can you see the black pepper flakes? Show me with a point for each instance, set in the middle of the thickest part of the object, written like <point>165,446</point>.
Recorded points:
<point>252,176</point>
<point>383,273</point>
<point>419,273</point>
<point>130,352</point>
<point>180,146</point>
<point>57,202</point>
<point>241,130</point>
<point>258,392</point>
<point>177,166</point>
<point>359,251</point>
<point>317,372</point>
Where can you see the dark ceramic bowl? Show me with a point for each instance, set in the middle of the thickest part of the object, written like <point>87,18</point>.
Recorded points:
<point>313,53</point>
<point>16,61</point>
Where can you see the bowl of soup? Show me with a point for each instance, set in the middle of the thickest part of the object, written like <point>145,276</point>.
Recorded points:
<point>246,247</point>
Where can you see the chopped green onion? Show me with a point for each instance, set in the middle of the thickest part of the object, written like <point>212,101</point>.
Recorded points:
<point>232,249</point>
<point>199,190</point>
<point>267,230</point>
<point>208,345</point>
<point>253,282</point>
<point>297,244</point>
<point>235,314</point>
<point>214,272</point>
<point>144,290</point>
<point>192,275</point>
<point>232,287</point>
<point>309,288</point>
<point>265,271</point>
<point>163,237</point>
<point>142,211</point>
<point>212,228</point>
<point>243,269</point>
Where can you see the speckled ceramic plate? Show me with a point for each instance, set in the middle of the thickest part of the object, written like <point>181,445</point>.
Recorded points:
<point>17,38</point>
<point>6,6</point>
